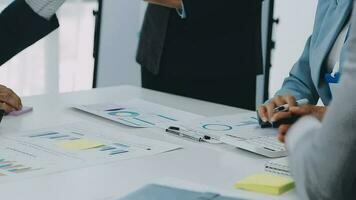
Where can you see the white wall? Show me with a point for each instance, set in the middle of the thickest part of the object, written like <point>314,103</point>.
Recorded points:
<point>121,22</point>
<point>296,24</point>
<point>62,61</point>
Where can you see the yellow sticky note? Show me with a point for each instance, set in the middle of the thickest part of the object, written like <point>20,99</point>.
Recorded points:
<point>266,183</point>
<point>80,144</point>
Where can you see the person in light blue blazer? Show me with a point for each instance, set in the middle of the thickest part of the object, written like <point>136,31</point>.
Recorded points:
<point>317,71</point>
<point>322,153</point>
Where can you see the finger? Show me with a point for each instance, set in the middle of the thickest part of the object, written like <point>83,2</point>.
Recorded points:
<point>17,99</point>
<point>282,132</point>
<point>7,108</point>
<point>291,101</point>
<point>281,138</point>
<point>300,111</point>
<point>10,98</point>
<point>283,129</point>
<point>319,112</point>
<point>262,111</point>
<point>281,115</point>
<point>279,100</point>
<point>270,109</point>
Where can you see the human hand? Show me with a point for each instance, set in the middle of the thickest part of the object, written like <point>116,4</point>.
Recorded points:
<point>9,101</point>
<point>266,111</point>
<point>316,111</point>
<point>177,4</point>
<point>282,132</point>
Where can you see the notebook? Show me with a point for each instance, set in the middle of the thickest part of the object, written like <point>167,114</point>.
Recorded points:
<point>278,166</point>
<point>160,192</point>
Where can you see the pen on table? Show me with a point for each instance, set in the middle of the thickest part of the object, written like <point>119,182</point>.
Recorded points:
<point>285,107</point>
<point>177,131</point>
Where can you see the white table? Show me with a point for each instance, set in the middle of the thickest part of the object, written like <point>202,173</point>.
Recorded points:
<point>217,166</point>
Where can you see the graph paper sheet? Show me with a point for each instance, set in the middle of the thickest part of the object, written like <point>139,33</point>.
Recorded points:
<point>62,148</point>
<point>139,113</point>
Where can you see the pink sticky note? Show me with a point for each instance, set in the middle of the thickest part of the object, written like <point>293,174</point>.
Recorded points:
<point>24,110</point>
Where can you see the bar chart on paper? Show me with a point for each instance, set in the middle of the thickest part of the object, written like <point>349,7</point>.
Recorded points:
<point>74,141</point>
<point>17,162</point>
<point>138,113</point>
<point>8,167</point>
<point>241,126</point>
<point>138,118</point>
<point>70,146</point>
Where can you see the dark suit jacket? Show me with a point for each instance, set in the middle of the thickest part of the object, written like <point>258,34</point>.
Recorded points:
<point>20,27</point>
<point>217,39</point>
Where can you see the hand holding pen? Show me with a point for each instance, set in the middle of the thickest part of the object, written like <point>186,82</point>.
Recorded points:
<point>267,112</point>
<point>315,111</point>
<point>281,114</point>
<point>278,114</point>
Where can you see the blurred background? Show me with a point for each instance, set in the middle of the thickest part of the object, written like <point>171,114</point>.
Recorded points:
<point>64,62</point>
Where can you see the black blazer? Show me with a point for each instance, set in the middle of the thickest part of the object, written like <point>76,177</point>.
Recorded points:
<point>20,27</point>
<point>218,39</point>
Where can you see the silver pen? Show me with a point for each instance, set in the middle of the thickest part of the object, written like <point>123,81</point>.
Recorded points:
<point>285,107</point>
<point>179,132</point>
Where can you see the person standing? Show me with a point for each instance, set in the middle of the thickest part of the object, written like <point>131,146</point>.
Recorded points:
<point>209,50</point>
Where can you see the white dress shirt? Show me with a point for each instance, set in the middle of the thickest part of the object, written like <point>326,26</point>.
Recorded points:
<point>333,59</point>
<point>45,8</point>
<point>181,11</point>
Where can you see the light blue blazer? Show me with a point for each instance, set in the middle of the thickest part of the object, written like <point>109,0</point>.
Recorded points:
<point>306,79</point>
